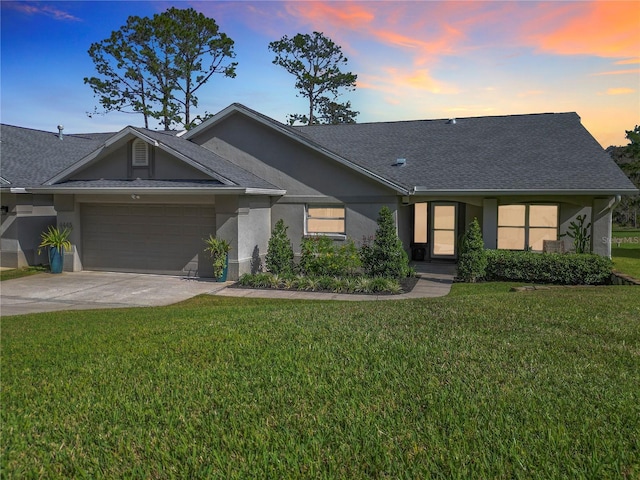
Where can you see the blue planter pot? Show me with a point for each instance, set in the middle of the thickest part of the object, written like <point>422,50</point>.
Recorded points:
<point>223,277</point>
<point>56,260</point>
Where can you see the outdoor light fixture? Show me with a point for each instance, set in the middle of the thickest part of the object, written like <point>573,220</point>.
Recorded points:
<point>4,209</point>
<point>135,197</point>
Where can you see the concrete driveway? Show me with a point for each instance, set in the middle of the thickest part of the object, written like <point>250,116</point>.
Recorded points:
<point>47,292</point>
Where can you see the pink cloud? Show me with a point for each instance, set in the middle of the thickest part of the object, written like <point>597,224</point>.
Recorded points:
<point>604,29</point>
<point>397,81</point>
<point>617,72</point>
<point>620,91</point>
<point>38,8</point>
<point>630,61</point>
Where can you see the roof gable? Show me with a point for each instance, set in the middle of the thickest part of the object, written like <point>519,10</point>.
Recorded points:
<point>293,134</point>
<point>200,159</point>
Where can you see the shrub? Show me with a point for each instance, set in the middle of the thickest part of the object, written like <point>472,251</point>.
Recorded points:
<point>565,269</point>
<point>279,259</point>
<point>321,257</point>
<point>580,234</point>
<point>385,256</point>
<point>472,262</point>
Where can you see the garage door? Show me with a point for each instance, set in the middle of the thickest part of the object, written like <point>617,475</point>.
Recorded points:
<point>147,238</point>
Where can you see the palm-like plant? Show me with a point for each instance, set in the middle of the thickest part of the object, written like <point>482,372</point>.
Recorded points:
<point>57,242</point>
<point>56,238</point>
<point>218,249</point>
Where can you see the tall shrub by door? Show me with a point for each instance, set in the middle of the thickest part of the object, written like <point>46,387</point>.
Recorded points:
<point>279,259</point>
<point>385,256</point>
<point>472,263</point>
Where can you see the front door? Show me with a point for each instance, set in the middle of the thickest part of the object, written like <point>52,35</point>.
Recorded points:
<point>443,230</point>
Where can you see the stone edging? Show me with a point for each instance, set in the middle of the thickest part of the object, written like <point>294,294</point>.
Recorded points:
<point>618,278</point>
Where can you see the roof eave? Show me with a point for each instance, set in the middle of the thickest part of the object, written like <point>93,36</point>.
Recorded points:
<point>219,190</point>
<point>498,191</point>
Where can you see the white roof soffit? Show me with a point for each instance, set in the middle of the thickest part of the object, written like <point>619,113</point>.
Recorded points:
<point>275,125</point>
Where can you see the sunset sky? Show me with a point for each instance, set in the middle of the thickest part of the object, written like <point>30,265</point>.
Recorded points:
<point>414,60</point>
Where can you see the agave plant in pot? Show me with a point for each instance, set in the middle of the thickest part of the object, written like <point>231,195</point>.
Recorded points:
<point>56,241</point>
<point>218,249</point>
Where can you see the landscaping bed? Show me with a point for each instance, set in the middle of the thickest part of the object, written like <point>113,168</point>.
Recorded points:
<point>349,285</point>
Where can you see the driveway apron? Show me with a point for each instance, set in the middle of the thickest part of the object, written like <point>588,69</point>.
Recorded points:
<point>47,292</point>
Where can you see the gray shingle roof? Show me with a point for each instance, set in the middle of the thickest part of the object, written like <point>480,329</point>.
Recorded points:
<point>30,157</point>
<point>540,152</point>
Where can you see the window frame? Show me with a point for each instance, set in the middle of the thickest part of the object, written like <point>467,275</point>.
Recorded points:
<point>307,217</point>
<point>527,227</point>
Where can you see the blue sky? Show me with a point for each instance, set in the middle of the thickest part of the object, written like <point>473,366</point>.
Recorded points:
<point>419,59</point>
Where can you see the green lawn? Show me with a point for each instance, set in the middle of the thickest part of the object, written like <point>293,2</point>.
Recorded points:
<point>625,251</point>
<point>21,272</point>
<point>481,384</point>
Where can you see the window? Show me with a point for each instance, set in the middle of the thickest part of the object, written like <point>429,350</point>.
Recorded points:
<point>325,220</point>
<point>530,225</point>
<point>139,153</point>
<point>444,230</point>
<point>420,231</point>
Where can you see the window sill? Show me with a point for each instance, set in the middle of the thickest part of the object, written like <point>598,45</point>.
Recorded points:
<point>332,236</point>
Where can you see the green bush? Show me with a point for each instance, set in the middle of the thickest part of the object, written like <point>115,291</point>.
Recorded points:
<point>472,262</point>
<point>385,256</point>
<point>321,257</point>
<point>279,259</point>
<point>565,269</point>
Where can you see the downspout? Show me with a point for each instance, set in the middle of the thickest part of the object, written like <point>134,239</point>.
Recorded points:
<point>608,210</point>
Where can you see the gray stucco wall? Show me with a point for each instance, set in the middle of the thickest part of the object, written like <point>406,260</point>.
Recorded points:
<point>284,162</point>
<point>361,220</point>
<point>309,178</point>
<point>27,217</point>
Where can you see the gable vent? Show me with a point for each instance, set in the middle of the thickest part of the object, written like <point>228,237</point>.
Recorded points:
<point>140,153</point>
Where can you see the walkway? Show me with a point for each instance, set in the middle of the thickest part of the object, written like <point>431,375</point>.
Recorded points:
<point>46,292</point>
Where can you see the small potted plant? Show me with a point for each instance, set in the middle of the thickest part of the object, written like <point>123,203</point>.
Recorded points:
<point>56,241</point>
<point>218,249</point>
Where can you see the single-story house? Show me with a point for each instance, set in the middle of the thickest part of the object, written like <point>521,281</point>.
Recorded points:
<point>141,200</point>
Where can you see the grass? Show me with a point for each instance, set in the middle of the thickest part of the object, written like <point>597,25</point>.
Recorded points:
<point>21,272</point>
<point>483,384</point>
<point>626,251</point>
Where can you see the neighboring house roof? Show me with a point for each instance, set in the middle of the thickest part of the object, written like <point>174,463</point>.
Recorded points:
<point>30,157</point>
<point>518,153</point>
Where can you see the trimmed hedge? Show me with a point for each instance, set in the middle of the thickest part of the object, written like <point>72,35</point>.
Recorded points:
<point>565,269</point>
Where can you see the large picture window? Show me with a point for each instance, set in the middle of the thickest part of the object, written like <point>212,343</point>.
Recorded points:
<point>526,226</point>
<point>325,220</point>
